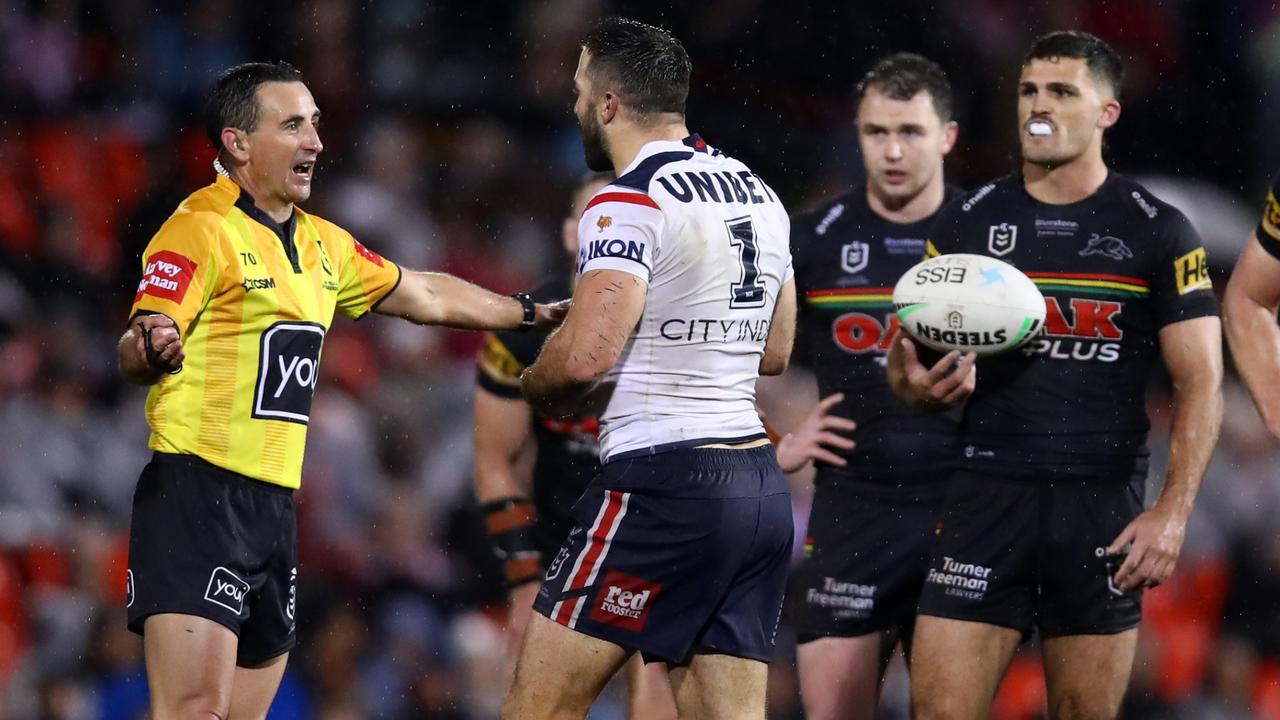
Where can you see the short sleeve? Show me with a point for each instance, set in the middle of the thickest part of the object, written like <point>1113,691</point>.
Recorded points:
<point>498,368</point>
<point>619,230</point>
<point>365,278</point>
<point>1269,225</point>
<point>179,271</point>
<point>1180,285</point>
<point>944,235</point>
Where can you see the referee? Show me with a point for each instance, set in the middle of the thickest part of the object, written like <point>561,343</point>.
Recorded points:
<point>238,289</point>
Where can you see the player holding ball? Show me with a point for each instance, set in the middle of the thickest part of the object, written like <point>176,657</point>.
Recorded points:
<point>1044,527</point>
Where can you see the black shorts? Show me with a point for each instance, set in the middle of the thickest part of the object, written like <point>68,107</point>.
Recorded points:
<point>672,553</point>
<point>866,557</point>
<point>1029,552</point>
<point>210,542</point>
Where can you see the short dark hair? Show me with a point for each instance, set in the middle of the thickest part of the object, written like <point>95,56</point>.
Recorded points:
<point>646,65</point>
<point>902,76</point>
<point>1103,61</point>
<point>233,101</point>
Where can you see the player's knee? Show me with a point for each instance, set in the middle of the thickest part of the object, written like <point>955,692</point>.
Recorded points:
<point>929,705</point>
<point>1080,705</point>
<point>196,707</point>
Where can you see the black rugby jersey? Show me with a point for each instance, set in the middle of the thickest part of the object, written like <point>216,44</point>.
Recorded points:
<point>568,452</point>
<point>1269,226</point>
<point>847,260</point>
<point>1114,269</point>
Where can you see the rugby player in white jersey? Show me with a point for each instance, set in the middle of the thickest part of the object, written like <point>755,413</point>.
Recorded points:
<point>684,297</point>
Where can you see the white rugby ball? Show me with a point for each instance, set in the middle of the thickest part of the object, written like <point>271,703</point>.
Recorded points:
<point>970,303</point>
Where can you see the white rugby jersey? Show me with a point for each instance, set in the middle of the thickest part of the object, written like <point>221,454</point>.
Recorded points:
<point>713,242</point>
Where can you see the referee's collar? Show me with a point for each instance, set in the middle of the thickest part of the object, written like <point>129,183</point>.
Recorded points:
<point>244,201</point>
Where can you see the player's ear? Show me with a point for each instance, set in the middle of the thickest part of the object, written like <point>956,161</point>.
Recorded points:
<point>1110,113</point>
<point>236,144</point>
<point>950,131</point>
<point>609,109</point>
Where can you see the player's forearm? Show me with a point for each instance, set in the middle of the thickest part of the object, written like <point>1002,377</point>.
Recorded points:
<point>1197,417</point>
<point>1255,346</point>
<point>429,298</point>
<point>562,378</point>
<point>495,479</point>
<point>133,364</point>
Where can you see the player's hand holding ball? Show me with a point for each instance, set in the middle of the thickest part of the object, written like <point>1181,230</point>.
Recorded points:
<point>965,306</point>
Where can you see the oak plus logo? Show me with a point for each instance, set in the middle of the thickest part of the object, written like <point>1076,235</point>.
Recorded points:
<point>624,601</point>
<point>227,590</point>
<point>288,363</point>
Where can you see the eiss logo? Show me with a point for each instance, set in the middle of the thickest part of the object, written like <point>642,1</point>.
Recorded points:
<point>624,601</point>
<point>166,276</point>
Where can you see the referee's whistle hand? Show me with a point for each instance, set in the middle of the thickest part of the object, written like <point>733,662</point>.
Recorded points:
<point>166,344</point>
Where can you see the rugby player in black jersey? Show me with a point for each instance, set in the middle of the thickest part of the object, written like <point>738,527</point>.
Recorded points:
<point>527,514</point>
<point>1044,526</point>
<point>1249,313</point>
<point>876,505</point>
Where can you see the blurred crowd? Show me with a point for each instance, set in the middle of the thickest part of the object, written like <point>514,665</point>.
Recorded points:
<point>450,145</point>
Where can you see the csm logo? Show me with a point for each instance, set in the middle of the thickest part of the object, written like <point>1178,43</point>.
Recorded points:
<point>226,589</point>
<point>288,363</point>
<point>624,601</point>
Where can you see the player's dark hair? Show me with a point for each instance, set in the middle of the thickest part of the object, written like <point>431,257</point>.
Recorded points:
<point>902,76</point>
<point>233,102</point>
<point>645,65</point>
<point>1103,61</point>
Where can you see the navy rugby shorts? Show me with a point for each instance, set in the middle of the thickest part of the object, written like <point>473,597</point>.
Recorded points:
<point>678,552</point>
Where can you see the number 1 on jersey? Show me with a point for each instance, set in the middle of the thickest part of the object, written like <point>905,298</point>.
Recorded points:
<point>748,292</point>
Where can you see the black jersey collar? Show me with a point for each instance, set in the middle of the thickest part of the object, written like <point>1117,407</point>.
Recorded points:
<point>284,230</point>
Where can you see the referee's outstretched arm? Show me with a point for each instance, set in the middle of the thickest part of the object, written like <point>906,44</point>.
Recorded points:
<point>432,298</point>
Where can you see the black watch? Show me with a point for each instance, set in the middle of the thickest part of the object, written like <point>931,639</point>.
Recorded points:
<point>530,311</point>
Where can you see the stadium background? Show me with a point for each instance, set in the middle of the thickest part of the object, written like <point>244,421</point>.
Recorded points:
<point>450,145</point>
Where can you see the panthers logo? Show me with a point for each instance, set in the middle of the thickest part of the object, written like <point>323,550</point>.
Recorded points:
<point>1112,247</point>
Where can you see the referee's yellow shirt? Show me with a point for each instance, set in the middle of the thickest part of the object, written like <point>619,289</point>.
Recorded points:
<point>252,300</point>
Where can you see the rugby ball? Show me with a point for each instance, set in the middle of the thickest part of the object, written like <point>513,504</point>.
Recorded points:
<point>970,303</point>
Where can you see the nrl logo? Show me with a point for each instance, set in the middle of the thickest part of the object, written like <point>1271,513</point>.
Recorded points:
<point>1112,247</point>
<point>604,222</point>
<point>1001,239</point>
<point>854,256</point>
